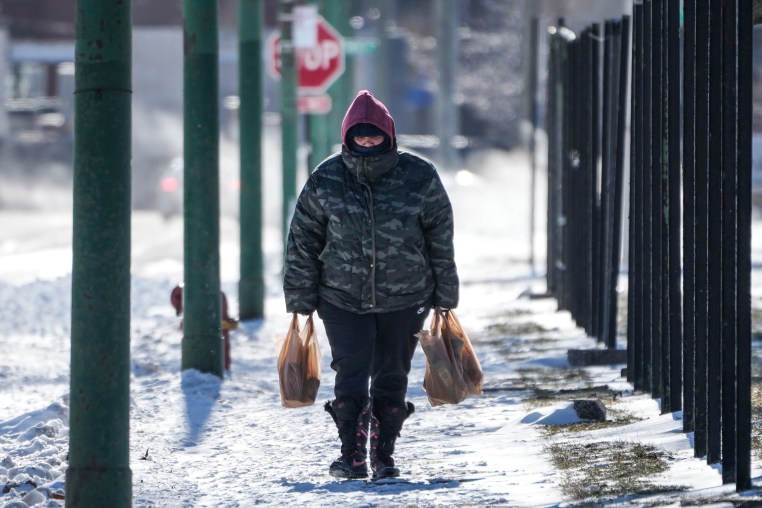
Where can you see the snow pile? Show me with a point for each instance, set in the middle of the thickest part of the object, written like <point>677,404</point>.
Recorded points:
<point>563,414</point>
<point>36,443</point>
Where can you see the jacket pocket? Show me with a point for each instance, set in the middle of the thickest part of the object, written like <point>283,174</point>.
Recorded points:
<point>338,270</point>
<point>406,271</point>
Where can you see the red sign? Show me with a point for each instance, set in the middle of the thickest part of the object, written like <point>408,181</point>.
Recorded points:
<point>317,67</point>
<point>316,104</point>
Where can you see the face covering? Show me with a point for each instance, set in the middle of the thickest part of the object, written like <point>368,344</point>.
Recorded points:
<point>369,150</point>
<point>366,129</point>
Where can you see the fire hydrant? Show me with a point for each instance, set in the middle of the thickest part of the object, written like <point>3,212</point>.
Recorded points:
<point>228,323</point>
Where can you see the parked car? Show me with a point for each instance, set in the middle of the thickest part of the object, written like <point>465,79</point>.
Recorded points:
<point>170,201</point>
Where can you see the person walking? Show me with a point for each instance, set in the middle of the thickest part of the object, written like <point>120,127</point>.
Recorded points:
<point>370,248</point>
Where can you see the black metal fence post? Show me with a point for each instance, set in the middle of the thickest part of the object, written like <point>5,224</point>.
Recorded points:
<point>743,318</point>
<point>701,227</point>
<point>608,134</point>
<point>657,184</point>
<point>736,227</point>
<point>618,190</point>
<point>672,308</point>
<point>552,117</point>
<point>649,351</point>
<point>689,213</point>
<point>689,306</point>
<point>636,273</point>
<point>592,212</point>
<point>714,312</point>
<point>729,215</point>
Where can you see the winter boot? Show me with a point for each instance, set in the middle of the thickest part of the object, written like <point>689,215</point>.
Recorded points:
<point>386,424</point>
<point>352,419</point>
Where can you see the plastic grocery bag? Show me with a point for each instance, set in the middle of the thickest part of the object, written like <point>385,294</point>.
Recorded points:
<point>299,365</point>
<point>472,369</point>
<point>452,369</point>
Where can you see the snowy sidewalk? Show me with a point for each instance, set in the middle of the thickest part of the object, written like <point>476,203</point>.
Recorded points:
<point>232,444</point>
<point>196,441</point>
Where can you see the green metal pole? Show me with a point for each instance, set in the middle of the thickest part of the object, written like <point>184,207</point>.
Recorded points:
<point>382,57</point>
<point>288,120</point>
<point>319,139</point>
<point>336,12</point>
<point>251,287</point>
<point>446,13</point>
<point>202,332</point>
<point>99,472</point>
<point>319,135</point>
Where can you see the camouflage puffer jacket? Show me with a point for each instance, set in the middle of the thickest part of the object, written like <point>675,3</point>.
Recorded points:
<point>371,234</point>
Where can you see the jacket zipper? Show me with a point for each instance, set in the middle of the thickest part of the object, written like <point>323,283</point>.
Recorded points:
<point>372,239</point>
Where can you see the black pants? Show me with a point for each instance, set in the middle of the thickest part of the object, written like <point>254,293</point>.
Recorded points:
<point>376,347</point>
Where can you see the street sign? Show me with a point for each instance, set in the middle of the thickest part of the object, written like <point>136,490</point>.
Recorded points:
<point>305,26</point>
<point>361,45</point>
<point>314,104</point>
<point>317,67</point>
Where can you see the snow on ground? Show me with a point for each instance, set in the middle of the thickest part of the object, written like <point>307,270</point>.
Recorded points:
<point>199,441</point>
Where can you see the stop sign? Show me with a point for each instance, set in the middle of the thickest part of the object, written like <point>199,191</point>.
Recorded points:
<point>317,67</point>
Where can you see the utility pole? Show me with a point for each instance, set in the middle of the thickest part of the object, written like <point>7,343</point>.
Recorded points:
<point>382,57</point>
<point>318,130</point>
<point>99,471</point>
<point>532,84</point>
<point>202,347</point>
<point>337,14</point>
<point>289,127</point>
<point>251,287</point>
<point>446,13</point>
<point>319,139</point>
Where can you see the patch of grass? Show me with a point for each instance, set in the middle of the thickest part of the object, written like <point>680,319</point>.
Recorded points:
<point>514,329</point>
<point>756,361</point>
<point>609,469</point>
<point>541,340</point>
<point>555,386</point>
<point>553,376</point>
<point>544,397</point>
<point>756,419</point>
<point>614,418</point>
